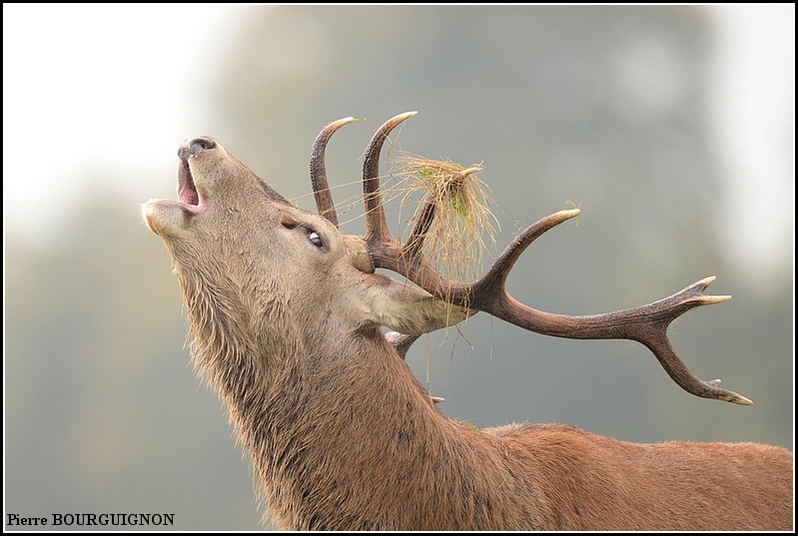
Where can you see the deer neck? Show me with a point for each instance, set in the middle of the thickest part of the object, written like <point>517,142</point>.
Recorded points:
<point>317,418</point>
<point>313,440</point>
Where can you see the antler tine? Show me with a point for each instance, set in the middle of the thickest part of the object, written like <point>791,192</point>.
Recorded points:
<point>494,281</point>
<point>426,215</point>
<point>377,231</point>
<point>318,171</point>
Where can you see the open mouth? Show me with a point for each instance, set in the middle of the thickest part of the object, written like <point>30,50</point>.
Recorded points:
<point>186,189</point>
<point>169,217</point>
<point>187,194</point>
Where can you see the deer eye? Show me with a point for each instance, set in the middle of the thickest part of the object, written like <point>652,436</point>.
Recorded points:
<point>314,237</point>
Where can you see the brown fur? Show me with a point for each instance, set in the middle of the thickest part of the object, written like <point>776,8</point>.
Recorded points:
<point>342,435</point>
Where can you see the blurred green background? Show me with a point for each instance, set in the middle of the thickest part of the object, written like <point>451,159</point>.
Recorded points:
<point>624,111</point>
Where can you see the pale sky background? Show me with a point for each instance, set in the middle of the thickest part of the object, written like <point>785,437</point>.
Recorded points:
<point>88,87</point>
<point>97,99</point>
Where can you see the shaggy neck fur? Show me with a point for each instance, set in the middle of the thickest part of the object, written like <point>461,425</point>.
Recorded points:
<point>324,420</point>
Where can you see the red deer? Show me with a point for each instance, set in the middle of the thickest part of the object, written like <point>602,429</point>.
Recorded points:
<point>286,317</point>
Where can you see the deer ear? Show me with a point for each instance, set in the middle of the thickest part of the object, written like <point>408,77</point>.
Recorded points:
<point>408,309</point>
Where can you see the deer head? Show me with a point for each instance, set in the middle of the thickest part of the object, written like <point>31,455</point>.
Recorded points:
<point>286,315</point>
<point>276,270</point>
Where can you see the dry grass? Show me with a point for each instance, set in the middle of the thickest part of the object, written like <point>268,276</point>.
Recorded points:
<point>463,219</point>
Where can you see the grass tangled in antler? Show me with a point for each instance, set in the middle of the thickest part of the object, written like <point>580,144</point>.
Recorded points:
<point>454,216</point>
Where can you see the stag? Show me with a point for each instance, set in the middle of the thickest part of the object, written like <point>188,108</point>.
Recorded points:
<point>286,317</point>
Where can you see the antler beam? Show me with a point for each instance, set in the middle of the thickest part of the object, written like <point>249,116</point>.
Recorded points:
<point>646,324</point>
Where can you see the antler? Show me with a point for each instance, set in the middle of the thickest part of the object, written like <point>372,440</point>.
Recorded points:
<point>646,324</point>
<point>318,171</point>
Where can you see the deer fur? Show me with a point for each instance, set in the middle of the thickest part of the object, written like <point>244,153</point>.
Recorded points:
<point>341,434</point>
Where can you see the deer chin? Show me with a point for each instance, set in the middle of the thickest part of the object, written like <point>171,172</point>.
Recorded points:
<point>166,217</point>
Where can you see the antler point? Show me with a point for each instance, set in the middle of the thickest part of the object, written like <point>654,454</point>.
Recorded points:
<point>404,116</point>
<point>341,122</point>
<point>567,214</point>
<point>716,299</point>
<point>702,285</point>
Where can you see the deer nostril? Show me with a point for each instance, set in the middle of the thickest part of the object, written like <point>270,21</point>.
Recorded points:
<point>200,145</point>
